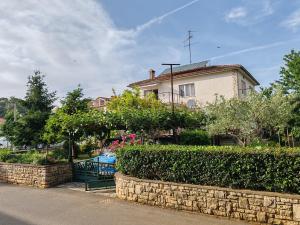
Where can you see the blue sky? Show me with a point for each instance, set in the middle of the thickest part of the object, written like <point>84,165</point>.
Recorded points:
<point>258,23</point>
<point>105,44</point>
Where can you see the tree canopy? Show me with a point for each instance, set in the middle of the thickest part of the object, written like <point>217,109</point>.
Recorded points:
<point>28,127</point>
<point>256,115</point>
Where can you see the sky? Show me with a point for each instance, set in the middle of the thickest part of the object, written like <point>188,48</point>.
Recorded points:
<point>106,44</point>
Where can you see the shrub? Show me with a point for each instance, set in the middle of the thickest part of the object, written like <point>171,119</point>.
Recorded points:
<point>88,146</point>
<point>194,137</point>
<point>57,155</point>
<point>4,155</point>
<point>268,169</point>
<point>31,157</point>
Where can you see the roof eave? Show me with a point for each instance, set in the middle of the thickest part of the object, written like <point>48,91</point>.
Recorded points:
<point>250,75</point>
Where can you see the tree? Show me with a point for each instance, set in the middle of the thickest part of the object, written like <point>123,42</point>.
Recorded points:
<point>149,115</point>
<point>75,102</point>
<point>290,81</point>
<point>290,73</point>
<point>69,122</point>
<point>251,117</point>
<point>8,104</point>
<point>28,127</point>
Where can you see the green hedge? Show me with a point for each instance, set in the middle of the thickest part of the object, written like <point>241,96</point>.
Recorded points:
<point>247,168</point>
<point>194,137</point>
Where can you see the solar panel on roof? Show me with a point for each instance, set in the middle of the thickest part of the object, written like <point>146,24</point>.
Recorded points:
<point>186,67</point>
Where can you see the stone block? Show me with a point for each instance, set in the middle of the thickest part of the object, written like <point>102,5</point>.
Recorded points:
<point>243,203</point>
<point>212,203</point>
<point>220,194</point>
<point>296,212</point>
<point>269,202</point>
<point>261,217</point>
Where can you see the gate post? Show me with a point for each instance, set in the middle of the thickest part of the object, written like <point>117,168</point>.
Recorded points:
<point>85,176</point>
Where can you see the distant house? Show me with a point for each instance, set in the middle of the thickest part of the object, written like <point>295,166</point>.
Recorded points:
<point>99,103</point>
<point>199,83</point>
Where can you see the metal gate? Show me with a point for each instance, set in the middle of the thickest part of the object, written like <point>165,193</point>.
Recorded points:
<point>94,174</point>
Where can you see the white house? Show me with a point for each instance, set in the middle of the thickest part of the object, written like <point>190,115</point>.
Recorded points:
<point>199,83</point>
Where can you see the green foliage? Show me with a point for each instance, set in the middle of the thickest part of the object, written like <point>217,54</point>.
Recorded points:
<point>134,113</point>
<point>75,120</point>
<point>4,154</point>
<point>88,146</point>
<point>290,73</point>
<point>29,125</point>
<point>32,157</point>
<point>75,102</point>
<point>194,137</point>
<point>290,81</point>
<point>7,105</point>
<point>251,117</point>
<point>270,169</point>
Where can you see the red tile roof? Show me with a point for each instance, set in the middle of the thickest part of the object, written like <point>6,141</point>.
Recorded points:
<point>196,72</point>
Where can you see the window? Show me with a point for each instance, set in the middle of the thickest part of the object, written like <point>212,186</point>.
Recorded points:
<point>187,90</point>
<point>243,87</point>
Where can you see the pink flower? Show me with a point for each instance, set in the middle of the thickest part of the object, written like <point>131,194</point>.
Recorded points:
<point>123,138</point>
<point>132,136</point>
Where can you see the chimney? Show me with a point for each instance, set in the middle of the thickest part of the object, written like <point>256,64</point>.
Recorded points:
<point>151,74</point>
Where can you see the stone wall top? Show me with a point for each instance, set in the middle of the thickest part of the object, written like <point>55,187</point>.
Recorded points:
<point>33,165</point>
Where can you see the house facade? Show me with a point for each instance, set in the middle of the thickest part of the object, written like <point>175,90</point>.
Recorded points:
<point>99,103</point>
<point>199,84</point>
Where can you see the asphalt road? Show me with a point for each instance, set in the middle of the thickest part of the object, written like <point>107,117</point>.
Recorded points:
<point>59,206</point>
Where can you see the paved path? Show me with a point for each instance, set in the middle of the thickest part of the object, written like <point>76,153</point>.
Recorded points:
<point>59,206</point>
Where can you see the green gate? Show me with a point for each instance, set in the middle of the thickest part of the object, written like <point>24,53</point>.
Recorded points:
<point>95,175</point>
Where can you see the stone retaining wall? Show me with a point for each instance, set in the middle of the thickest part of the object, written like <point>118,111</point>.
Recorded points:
<point>256,206</point>
<point>37,176</point>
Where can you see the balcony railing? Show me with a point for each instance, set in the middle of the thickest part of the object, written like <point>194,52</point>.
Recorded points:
<point>166,97</point>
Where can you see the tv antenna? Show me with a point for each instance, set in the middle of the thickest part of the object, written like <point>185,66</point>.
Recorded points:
<point>188,40</point>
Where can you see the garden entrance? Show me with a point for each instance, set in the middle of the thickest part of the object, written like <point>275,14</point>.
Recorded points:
<point>95,174</point>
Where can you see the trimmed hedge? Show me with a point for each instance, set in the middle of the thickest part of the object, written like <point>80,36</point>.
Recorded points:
<point>267,169</point>
<point>194,137</point>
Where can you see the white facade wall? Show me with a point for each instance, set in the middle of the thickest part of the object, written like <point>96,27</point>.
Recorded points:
<point>249,84</point>
<point>206,88</point>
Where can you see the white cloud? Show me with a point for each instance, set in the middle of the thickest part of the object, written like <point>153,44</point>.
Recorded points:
<point>293,21</point>
<point>72,41</point>
<point>251,12</point>
<point>236,13</point>
<point>162,17</point>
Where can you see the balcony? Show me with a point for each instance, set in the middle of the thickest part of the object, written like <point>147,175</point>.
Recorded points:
<point>166,97</point>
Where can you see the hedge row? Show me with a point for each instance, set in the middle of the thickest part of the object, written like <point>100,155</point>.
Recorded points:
<point>246,168</point>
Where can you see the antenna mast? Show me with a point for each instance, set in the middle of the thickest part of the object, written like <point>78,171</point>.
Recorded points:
<point>189,37</point>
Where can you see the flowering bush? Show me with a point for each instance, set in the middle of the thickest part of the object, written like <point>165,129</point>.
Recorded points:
<point>130,139</point>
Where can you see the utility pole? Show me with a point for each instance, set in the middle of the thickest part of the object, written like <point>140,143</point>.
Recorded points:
<point>172,93</point>
<point>171,74</point>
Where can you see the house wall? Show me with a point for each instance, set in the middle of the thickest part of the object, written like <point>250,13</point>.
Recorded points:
<point>206,88</point>
<point>249,83</point>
